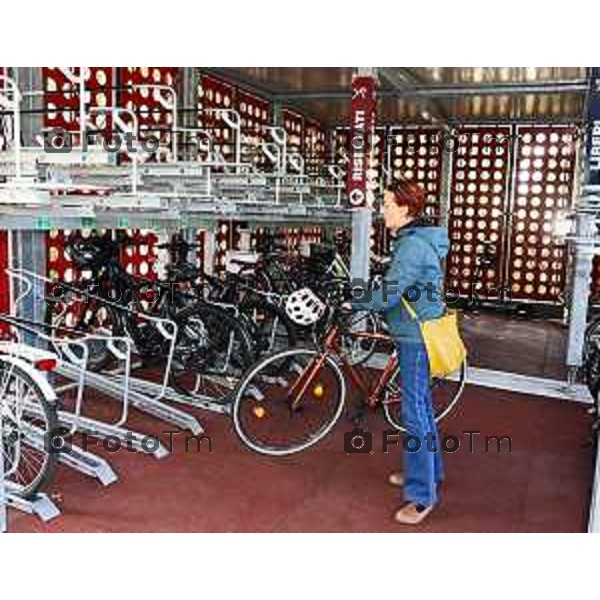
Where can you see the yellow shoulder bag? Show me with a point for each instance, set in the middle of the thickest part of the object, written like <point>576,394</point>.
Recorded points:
<point>445,347</point>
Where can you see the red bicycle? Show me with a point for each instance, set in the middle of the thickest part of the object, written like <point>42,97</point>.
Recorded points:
<point>291,400</point>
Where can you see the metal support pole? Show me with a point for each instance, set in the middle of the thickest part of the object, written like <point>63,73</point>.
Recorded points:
<point>582,274</point>
<point>592,181</point>
<point>29,253</point>
<point>445,188</point>
<point>209,250</point>
<point>362,219</point>
<point>188,91</point>
<point>32,120</point>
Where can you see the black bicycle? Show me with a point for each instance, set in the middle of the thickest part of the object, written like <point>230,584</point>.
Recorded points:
<point>211,346</point>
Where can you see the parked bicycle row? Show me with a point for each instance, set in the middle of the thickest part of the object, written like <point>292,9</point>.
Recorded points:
<point>272,345</point>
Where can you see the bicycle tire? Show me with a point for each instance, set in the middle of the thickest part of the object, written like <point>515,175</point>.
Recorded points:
<point>391,409</point>
<point>245,396</point>
<point>47,466</point>
<point>205,350</point>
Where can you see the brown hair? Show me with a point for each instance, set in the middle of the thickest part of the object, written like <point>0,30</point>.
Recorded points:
<point>408,194</point>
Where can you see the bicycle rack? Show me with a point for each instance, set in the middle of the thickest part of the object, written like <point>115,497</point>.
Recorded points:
<point>41,506</point>
<point>152,405</point>
<point>198,401</point>
<point>72,456</point>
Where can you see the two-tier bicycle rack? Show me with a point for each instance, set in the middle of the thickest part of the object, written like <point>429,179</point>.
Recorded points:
<point>86,189</point>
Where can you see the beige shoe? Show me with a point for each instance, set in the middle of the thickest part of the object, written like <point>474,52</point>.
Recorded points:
<point>396,479</point>
<point>409,515</point>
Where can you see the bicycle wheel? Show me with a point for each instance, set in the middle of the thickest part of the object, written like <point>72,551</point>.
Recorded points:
<point>28,420</point>
<point>288,402</point>
<point>212,351</point>
<point>591,372</point>
<point>445,394</point>
<point>257,279</point>
<point>591,339</point>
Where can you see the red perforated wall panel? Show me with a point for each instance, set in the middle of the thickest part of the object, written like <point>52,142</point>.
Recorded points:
<point>314,147</point>
<point>62,99</point>
<point>59,264</point>
<point>416,155</point>
<point>293,123</point>
<point>140,256</point>
<point>255,114</point>
<point>213,93</point>
<point>478,195</point>
<point>151,105</point>
<point>227,238</point>
<point>543,193</point>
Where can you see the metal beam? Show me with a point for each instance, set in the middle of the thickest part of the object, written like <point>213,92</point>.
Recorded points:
<point>402,79</point>
<point>449,91</point>
<point>480,120</point>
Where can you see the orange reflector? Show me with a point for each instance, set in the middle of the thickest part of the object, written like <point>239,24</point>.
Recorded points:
<point>318,391</point>
<point>45,364</point>
<point>259,412</point>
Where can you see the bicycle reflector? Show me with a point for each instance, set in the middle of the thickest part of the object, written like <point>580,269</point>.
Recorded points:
<point>259,412</point>
<point>304,307</point>
<point>45,364</point>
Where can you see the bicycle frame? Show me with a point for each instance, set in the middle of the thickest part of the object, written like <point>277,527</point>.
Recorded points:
<point>332,349</point>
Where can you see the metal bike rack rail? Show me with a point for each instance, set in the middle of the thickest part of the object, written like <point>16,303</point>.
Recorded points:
<point>72,455</point>
<point>75,369</point>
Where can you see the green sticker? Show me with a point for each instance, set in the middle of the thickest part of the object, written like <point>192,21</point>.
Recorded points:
<point>123,223</point>
<point>43,223</point>
<point>88,223</point>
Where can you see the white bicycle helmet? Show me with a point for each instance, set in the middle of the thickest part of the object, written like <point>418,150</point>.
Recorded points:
<point>304,307</point>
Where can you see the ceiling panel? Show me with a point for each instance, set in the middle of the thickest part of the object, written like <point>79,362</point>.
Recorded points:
<point>300,88</point>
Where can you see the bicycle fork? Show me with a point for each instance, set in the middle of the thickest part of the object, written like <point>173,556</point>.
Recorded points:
<point>305,379</point>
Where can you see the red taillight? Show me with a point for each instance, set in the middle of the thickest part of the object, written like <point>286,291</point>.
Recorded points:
<point>45,364</point>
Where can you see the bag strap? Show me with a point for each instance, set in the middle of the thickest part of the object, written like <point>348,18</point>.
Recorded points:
<point>411,311</point>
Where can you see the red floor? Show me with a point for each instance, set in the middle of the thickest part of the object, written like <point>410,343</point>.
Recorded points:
<point>543,485</point>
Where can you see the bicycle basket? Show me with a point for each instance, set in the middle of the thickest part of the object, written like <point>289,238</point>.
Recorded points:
<point>304,307</point>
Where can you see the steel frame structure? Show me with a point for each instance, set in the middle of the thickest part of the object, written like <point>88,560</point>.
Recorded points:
<point>194,195</point>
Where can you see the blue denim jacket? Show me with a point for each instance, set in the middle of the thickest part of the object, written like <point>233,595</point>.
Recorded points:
<point>415,264</point>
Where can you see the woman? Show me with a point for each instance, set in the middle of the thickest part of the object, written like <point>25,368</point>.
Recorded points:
<point>415,272</point>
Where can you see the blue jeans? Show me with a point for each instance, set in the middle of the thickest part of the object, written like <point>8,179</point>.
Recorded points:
<point>422,469</point>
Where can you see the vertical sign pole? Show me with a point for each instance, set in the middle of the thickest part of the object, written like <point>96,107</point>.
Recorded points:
<point>585,231</point>
<point>3,517</point>
<point>592,161</point>
<point>359,187</point>
<point>584,255</point>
